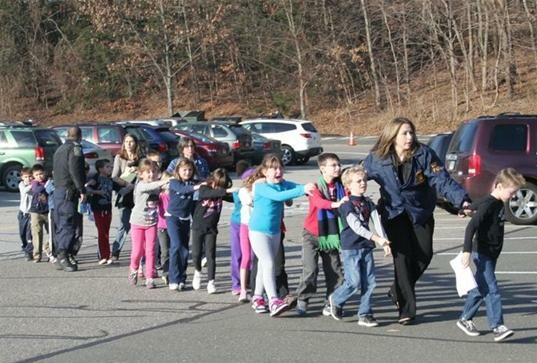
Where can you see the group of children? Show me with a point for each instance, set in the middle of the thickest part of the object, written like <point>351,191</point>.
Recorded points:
<point>172,209</point>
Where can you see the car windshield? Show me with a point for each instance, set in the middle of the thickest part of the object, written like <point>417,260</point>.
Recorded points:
<point>167,136</point>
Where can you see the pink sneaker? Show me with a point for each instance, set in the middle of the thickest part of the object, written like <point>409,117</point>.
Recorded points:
<point>277,307</point>
<point>259,305</point>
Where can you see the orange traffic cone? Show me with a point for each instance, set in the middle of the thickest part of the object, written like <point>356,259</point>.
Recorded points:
<point>351,139</point>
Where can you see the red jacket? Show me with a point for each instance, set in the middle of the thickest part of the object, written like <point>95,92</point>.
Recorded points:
<point>316,201</point>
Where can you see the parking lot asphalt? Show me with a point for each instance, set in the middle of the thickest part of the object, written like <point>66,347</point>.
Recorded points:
<point>94,315</point>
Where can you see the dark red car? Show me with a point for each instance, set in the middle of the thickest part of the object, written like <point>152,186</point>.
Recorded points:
<point>215,152</point>
<point>481,147</point>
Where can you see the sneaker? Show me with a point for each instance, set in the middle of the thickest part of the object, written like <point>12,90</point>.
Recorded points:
<point>37,259</point>
<point>336,312</point>
<point>181,286</point>
<point>173,286</point>
<point>165,279</point>
<point>468,327</point>
<point>28,257</point>
<point>290,300</point>
<point>235,292</point>
<point>203,262</point>
<point>326,310</point>
<point>211,289</point>
<point>109,261</point>
<point>133,278</point>
<point>67,265</point>
<point>501,332</point>
<point>196,280</point>
<point>368,321</point>
<point>103,261</point>
<point>150,284</point>
<point>57,264</point>
<point>73,260</point>
<point>405,320</point>
<point>52,259</point>
<point>302,307</point>
<point>277,307</point>
<point>259,305</point>
<point>243,296</point>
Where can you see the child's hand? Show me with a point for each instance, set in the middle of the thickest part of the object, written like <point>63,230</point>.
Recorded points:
<point>341,201</point>
<point>232,190</point>
<point>466,210</point>
<point>309,188</point>
<point>387,250</point>
<point>466,259</point>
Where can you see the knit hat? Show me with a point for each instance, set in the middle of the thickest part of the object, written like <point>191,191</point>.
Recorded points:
<point>247,173</point>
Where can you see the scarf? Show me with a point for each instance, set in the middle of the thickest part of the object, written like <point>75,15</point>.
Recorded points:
<point>328,220</point>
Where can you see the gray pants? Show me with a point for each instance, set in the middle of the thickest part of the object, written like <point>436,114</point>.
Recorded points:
<point>333,273</point>
<point>265,247</point>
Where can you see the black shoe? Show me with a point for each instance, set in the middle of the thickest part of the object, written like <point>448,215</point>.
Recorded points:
<point>406,320</point>
<point>28,257</point>
<point>66,265</point>
<point>57,264</point>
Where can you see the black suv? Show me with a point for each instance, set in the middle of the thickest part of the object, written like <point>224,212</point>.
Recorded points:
<point>23,146</point>
<point>481,147</point>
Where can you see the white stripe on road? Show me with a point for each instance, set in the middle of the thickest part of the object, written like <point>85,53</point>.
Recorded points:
<point>503,253</point>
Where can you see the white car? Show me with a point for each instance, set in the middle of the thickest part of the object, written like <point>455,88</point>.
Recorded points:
<point>93,152</point>
<point>300,140</point>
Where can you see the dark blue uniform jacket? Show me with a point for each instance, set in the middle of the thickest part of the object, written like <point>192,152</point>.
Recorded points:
<point>418,195</point>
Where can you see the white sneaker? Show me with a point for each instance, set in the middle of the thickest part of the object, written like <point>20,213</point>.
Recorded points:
<point>211,289</point>
<point>196,280</point>
<point>181,286</point>
<point>174,286</point>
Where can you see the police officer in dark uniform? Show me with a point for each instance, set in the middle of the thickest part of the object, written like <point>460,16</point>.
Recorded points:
<point>69,180</point>
<point>410,177</point>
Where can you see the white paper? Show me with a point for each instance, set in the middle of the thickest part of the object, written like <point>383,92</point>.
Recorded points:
<point>463,275</point>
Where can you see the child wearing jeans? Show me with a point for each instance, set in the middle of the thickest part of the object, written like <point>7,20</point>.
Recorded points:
<point>180,209</point>
<point>265,228</point>
<point>163,237</point>
<point>205,224</point>
<point>143,220</point>
<point>23,215</point>
<point>484,240</point>
<point>357,244</point>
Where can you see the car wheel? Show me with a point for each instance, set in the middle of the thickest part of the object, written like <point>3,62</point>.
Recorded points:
<point>522,208</point>
<point>12,177</point>
<point>288,155</point>
<point>302,160</point>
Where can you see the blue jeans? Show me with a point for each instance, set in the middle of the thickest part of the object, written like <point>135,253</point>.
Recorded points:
<point>122,231</point>
<point>487,289</point>
<point>179,232</point>
<point>359,270</point>
<point>25,232</point>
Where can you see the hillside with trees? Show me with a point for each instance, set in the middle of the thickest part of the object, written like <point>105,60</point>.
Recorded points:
<point>345,64</point>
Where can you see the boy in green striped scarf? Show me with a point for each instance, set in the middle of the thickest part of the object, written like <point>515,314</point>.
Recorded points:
<point>321,234</point>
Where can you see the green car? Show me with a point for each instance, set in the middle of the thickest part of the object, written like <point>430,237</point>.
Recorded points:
<point>23,146</point>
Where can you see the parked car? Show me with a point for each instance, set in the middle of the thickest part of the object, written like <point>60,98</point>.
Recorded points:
<point>483,146</point>
<point>23,146</point>
<point>93,152</point>
<point>105,135</point>
<point>439,143</point>
<point>299,138</point>
<point>263,146</point>
<point>236,136</point>
<point>216,153</point>
<point>156,138</point>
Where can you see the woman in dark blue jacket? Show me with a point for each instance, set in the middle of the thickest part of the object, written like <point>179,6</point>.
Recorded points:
<point>410,176</point>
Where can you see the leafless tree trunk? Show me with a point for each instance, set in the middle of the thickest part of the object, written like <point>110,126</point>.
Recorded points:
<point>372,60</point>
<point>531,20</point>
<point>394,55</point>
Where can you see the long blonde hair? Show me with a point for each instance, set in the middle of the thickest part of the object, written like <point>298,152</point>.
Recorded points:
<point>386,141</point>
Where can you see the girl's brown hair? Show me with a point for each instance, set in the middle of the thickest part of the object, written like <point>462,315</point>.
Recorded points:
<point>219,179</point>
<point>386,141</point>
<point>184,162</point>
<point>138,153</point>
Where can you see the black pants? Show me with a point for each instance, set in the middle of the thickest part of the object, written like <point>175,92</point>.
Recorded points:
<point>412,250</point>
<point>282,285</point>
<point>333,273</point>
<point>199,240</point>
